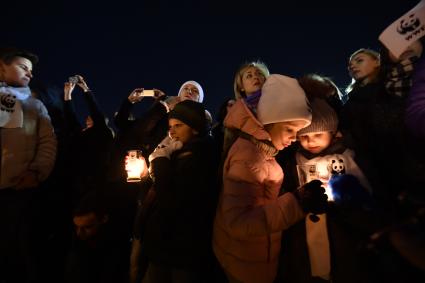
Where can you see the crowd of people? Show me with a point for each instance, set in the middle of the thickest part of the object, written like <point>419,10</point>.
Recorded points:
<point>293,180</point>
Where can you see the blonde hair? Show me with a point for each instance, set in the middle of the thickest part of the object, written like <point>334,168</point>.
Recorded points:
<point>372,53</point>
<point>237,83</point>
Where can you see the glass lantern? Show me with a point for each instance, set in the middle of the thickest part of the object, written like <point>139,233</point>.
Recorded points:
<point>135,165</point>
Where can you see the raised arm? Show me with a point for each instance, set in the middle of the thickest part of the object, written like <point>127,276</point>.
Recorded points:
<point>72,125</point>
<point>94,109</point>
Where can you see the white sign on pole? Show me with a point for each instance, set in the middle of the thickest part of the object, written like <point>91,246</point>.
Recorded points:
<point>405,30</point>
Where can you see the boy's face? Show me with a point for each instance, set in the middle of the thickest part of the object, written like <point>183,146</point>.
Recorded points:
<point>315,142</point>
<point>87,226</point>
<point>89,122</point>
<point>179,131</point>
<point>18,73</point>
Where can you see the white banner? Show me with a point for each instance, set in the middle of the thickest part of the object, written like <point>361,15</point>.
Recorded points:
<point>405,30</point>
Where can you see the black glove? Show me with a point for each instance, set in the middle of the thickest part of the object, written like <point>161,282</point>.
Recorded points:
<point>312,197</point>
<point>349,193</point>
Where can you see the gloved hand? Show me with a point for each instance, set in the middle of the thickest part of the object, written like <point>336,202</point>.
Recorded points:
<point>165,148</point>
<point>312,197</point>
<point>349,193</point>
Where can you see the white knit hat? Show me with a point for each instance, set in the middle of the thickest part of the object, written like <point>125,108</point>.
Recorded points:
<point>282,100</point>
<point>197,85</point>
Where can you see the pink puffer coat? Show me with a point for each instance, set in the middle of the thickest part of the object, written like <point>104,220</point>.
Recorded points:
<point>251,215</point>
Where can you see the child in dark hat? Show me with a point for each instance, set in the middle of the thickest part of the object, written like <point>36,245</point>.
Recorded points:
<point>322,155</point>
<point>192,114</point>
<point>183,167</point>
<point>321,146</point>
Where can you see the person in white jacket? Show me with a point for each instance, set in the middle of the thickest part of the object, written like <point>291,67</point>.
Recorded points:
<point>28,151</point>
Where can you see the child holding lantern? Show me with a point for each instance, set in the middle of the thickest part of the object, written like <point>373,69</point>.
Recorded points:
<point>177,236</point>
<point>314,249</point>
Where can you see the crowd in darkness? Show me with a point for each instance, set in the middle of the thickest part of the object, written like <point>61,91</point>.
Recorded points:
<point>291,180</point>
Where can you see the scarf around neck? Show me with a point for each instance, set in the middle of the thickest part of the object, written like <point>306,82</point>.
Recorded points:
<point>399,77</point>
<point>252,101</point>
<point>263,145</point>
<point>11,114</point>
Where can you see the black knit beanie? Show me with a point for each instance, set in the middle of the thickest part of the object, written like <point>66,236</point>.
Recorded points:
<point>192,114</point>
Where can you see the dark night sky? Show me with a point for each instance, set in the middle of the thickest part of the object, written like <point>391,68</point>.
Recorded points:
<point>121,45</point>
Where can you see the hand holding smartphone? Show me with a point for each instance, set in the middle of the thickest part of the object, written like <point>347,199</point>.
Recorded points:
<point>147,92</point>
<point>137,94</point>
<point>74,79</point>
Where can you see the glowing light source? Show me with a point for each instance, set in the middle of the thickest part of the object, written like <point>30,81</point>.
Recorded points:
<point>328,191</point>
<point>319,171</point>
<point>135,165</point>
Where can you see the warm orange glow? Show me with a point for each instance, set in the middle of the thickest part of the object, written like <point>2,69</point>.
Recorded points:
<point>135,165</point>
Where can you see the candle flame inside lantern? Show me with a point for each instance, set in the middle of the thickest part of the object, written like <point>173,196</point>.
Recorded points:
<point>135,165</point>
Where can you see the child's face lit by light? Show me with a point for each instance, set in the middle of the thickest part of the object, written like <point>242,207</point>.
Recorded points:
<point>315,142</point>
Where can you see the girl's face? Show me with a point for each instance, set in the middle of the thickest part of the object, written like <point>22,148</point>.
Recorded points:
<point>284,133</point>
<point>315,142</point>
<point>179,131</point>
<point>363,66</point>
<point>252,80</point>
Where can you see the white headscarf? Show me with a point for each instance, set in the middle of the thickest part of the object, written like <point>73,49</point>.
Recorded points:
<point>198,86</point>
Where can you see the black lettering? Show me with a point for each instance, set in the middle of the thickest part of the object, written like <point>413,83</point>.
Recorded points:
<point>415,33</point>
